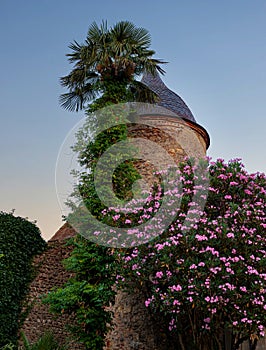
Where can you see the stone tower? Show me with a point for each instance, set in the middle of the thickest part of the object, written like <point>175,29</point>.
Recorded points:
<point>173,127</point>
<point>170,125</point>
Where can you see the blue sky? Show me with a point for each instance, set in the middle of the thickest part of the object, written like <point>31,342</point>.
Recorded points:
<point>217,63</point>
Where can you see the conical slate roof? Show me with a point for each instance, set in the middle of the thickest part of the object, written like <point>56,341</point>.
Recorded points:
<point>168,99</point>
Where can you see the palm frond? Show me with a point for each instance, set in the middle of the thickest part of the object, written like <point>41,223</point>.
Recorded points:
<point>71,101</point>
<point>75,100</point>
<point>76,49</point>
<point>97,33</point>
<point>78,77</point>
<point>127,31</point>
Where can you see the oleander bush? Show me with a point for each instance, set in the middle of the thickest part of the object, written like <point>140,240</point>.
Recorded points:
<point>206,274</point>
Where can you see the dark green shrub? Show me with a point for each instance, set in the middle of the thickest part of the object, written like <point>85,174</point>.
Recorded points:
<point>20,241</point>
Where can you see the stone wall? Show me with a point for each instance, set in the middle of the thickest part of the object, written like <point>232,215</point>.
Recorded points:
<point>51,273</point>
<point>134,326</point>
<point>178,137</point>
<point>260,346</point>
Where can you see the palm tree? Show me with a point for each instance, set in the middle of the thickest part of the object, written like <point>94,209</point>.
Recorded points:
<point>118,55</point>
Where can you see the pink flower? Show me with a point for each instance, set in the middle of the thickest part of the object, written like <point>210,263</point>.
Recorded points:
<point>212,189</point>
<point>172,324</point>
<point>135,267</point>
<point>201,238</point>
<point>230,235</point>
<point>147,302</point>
<point>159,274</point>
<point>193,266</point>
<point>248,192</point>
<point>176,288</point>
<point>235,259</point>
<point>168,273</point>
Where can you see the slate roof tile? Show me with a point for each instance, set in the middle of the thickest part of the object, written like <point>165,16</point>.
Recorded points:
<point>168,99</point>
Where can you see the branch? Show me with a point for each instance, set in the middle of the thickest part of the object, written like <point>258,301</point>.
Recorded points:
<point>181,342</point>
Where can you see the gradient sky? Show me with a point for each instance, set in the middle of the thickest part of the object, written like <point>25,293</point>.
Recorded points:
<point>217,63</point>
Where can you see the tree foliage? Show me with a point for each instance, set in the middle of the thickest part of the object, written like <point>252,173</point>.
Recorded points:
<point>20,241</point>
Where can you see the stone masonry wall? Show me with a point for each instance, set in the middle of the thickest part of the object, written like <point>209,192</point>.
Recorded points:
<point>134,326</point>
<point>51,273</point>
